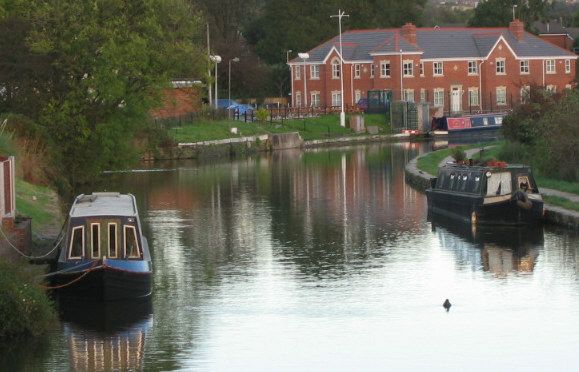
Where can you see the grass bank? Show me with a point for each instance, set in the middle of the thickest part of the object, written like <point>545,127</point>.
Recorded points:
<point>309,128</point>
<point>41,204</point>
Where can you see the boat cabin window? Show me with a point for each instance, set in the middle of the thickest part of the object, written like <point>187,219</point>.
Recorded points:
<point>499,184</point>
<point>523,183</point>
<point>76,248</point>
<point>113,245</point>
<point>131,245</point>
<point>95,240</point>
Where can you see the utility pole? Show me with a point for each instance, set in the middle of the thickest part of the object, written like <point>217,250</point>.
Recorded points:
<point>340,15</point>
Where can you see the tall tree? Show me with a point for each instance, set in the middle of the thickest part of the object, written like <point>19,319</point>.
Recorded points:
<point>497,13</point>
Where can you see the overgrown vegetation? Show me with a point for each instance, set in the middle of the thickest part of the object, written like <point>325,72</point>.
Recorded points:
<point>24,308</point>
<point>544,133</point>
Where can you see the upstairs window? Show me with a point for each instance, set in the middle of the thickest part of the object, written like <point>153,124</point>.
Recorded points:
<point>437,68</point>
<point>500,66</point>
<point>357,71</point>
<point>524,65</point>
<point>335,69</point>
<point>550,66</point>
<point>297,72</point>
<point>314,71</point>
<point>385,69</point>
<point>372,70</point>
<point>407,68</point>
<point>472,68</point>
<point>421,68</point>
<point>567,66</point>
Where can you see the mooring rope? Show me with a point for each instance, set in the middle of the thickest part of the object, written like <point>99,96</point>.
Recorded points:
<point>59,237</point>
<point>84,273</point>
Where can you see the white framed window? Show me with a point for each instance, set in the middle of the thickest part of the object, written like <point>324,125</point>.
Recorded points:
<point>113,240</point>
<point>314,71</point>
<point>95,240</point>
<point>357,96</point>
<point>372,70</point>
<point>357,71</point>
<point>315,99</point>
<point>297,72</point>
<point>421,66</point>
<point>567,66</point>
<point>473,97</point>
<point>525,94</point>
<point>472,68</point>
<point>437,68</point>
<point>336,98</point>
<point>524,66</point>
<point>551,89</point>
<point>500,66</point>
<point>407,69</point>
<point>422,95</point>
<point>438,97</point>
<point>409,95</point>
<point>76,245</point>
<point>298,99</point>
<point>131,242</point>
<point>550,66</point>
<point>568,86</point>
<point>501,93</point>
<point>384,69</point>
<point>335,69</point>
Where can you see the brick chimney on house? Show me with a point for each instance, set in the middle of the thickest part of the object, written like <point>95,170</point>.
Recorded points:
<point>409,33</point>
<point>517,28</point>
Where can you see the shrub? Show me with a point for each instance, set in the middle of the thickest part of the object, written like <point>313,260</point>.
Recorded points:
<point>458,154</point>
<point>25,310</point>
<point>261,115</point>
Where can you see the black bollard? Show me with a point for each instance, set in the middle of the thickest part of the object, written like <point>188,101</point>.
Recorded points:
<point>446,305</point>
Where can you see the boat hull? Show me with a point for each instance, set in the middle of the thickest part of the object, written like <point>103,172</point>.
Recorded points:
<point>498,211</point>
<point>104,284</point>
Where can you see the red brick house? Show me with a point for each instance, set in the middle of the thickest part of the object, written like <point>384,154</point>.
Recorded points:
<point>456,69</point>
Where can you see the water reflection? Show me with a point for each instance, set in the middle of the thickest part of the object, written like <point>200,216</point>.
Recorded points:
<point>106,336</point>
<point>499,250</point>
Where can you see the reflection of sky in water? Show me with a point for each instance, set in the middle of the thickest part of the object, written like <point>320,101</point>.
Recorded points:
<point>324,260</point>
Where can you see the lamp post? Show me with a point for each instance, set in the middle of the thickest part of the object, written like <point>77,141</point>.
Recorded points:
<point>305,56</point>
<point>236,59</point>
<point>215,59</point>
<point>340,15</point>
<point>287,55</point>
<point>514,7</point>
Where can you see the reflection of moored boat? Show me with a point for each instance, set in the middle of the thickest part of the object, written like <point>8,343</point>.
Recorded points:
<point>494,195</point>
<point>105,255</point>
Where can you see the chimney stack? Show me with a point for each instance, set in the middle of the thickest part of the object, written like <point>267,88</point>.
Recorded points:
<point>517,28</point>
<point>409,33</point>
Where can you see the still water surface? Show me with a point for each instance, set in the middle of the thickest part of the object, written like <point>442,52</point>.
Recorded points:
<point>324,260</point>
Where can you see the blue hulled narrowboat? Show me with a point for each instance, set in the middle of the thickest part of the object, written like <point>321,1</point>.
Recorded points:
<point>500,194</point>
<point>104,255</point>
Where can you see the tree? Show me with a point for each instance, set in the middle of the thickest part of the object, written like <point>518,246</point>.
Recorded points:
<point>499,13</point>
<point>100,68</point>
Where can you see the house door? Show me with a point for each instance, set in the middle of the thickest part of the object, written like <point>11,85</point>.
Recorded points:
<point>455,100</point>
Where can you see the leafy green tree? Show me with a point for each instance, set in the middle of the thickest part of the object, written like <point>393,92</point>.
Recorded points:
<point>497,13</point>
<point>93,70</point>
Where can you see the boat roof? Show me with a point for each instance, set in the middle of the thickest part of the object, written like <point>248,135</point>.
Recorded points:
<point>104,204</point>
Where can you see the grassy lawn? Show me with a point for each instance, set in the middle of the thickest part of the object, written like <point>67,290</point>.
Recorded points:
<point>309,128</point>
<point>561,202</point>
<point>41,204</point>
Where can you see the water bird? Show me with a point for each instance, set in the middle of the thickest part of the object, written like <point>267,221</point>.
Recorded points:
<point>446,304</point>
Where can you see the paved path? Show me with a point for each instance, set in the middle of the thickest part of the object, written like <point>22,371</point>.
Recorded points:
<point>543,190</point>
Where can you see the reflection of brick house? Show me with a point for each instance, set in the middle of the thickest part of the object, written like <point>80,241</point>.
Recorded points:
<point>184,97</point>
<point>452,68</point>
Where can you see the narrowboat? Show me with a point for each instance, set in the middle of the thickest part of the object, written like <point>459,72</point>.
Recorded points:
<point>104,255</point>
<point>470,124</point>
<point>497,194</point>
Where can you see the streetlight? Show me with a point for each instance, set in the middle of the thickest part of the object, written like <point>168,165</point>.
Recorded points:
<point>287,55</point>
<point>215,59</point>
<point>236,59</point>
<point>340,15</point>
<point>514,7</point>
<point>305,56</point>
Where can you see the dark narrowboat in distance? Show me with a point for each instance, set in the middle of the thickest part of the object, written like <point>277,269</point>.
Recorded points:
<point>498,194</point>
<point>105,255</point>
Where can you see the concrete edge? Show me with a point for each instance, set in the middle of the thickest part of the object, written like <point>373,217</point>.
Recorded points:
<point>420,180</point>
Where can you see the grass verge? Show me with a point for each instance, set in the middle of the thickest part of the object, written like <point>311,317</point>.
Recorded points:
<point>309,128</point>
<point>561,202</point>
<point>40,203</point>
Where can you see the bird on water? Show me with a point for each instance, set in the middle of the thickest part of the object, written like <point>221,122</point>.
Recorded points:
<point>446,304</point>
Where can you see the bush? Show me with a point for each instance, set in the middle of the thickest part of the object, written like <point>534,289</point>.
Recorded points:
<point>458,154</point>
<point>25,310</point>
<point>261,115</point>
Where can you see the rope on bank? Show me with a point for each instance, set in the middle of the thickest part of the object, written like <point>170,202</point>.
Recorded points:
<point>59,237</point>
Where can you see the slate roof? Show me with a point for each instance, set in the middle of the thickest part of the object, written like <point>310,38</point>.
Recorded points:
<point>433,43</point>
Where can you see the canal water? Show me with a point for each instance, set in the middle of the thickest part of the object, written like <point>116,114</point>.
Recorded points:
<point>322,260</point>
